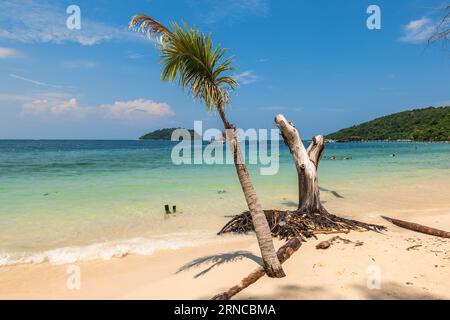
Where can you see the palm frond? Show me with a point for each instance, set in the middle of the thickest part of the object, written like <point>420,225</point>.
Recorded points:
<point>189,57</point>
<point>442,31</point>
<point>149,26</point>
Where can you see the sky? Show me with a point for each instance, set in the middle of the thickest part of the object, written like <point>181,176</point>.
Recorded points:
<point>316,62</point>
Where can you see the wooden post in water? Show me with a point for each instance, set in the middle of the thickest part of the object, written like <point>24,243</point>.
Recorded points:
<point>166,207</point>
<point>174,209</point>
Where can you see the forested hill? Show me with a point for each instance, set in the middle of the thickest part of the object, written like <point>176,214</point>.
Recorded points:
<point>429,124</point>
<point>164,134</point>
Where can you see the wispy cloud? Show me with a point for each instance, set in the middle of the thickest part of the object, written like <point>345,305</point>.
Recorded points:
<point>79,64</point>
<point>339,110</point>
<point>58,104</point>
<point>136,109</point>
<point>8,53</point>
<point>418,31</point>
<point>31,21</point>
<point>280,108</point>
<point>46,103</point>
<point>216,10</point>
<point>12,97</point>
<point>51,106</point>
<point>134,56</point>
<point>37,82</point>
<point>246,77</point>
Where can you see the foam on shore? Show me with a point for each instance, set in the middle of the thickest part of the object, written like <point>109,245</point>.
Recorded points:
<point>107,250</point>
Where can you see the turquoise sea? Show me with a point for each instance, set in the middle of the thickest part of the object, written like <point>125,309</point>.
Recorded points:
<point>67,200</point>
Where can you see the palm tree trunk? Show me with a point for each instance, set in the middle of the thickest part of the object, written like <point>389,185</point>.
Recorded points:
<point>272,264</point>
<point>306,162</point>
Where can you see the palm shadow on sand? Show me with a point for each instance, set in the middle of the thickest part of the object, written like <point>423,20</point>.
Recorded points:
<point>388,291</point>
<point>219,259</point>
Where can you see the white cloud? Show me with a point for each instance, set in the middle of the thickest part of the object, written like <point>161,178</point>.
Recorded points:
<point>136,109</point>
<point>418,31</point>
<point>32,21</point>
<point>46,103</point>
<point>55,104</point>
<point>51,106</point>
<point>246,77</point>
<point>8,53</point>
<point>36,82</point>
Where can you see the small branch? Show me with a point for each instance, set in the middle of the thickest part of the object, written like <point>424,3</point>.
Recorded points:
<point>418,228</point>
<point>284,253</point>
<point>327,243</point>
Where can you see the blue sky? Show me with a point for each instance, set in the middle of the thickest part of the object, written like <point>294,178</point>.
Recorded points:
<point>314,61</point>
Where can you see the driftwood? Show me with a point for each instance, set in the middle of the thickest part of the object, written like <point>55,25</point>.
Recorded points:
<point>284,253</point>
<point>418,228</point>
<point>327,243</point>
<point>166,208</point>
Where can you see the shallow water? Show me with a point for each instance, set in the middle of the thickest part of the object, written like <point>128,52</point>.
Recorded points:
<point>68,200</point>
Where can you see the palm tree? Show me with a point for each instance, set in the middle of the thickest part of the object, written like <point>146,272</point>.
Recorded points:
<point>188,57</point>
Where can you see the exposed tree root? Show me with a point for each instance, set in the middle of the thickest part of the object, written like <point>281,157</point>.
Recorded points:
<point>289,224</point>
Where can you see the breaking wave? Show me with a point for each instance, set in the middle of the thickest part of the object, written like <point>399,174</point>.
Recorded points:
<point>105,250</point>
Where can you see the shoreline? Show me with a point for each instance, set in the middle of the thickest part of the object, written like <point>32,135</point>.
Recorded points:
<point>365,204</point>
<point>340,272</point>
<point>387,141</point>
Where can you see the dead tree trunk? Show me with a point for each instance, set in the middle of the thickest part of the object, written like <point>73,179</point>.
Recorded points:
<point>311,217</point>
<point>306,162</point>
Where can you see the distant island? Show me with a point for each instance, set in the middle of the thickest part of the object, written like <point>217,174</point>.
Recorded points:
<point>428,124</point>
<point>165,134</point>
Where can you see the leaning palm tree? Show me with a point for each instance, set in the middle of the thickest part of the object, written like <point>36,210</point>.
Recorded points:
<point>189,57</point>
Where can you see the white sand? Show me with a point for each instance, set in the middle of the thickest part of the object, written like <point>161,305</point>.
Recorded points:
<point>340,272</point>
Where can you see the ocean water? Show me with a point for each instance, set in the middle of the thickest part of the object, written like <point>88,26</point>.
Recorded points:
<point>63,201</point>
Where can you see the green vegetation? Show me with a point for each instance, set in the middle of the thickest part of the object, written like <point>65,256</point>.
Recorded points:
<point>165,134</point>
<point>429,124</point>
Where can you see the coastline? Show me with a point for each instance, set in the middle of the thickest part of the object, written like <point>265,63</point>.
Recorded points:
<point>387,141</point>
<point>339,272</point>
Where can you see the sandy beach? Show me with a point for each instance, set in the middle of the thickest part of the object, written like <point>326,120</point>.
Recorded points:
<point>410,265</point>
